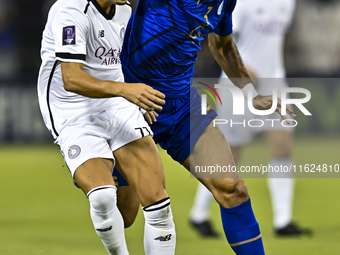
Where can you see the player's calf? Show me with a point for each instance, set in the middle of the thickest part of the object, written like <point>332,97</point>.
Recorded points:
<point>128,204</point>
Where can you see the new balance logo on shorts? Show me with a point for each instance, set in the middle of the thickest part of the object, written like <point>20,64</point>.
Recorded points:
<point>163,238</point>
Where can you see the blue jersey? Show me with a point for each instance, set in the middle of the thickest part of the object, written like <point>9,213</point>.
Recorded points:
<point>163,38</point>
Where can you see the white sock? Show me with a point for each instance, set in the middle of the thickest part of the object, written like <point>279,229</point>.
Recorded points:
<point>159,232</point>
<point>281,187</point>
<point>107,219</point>
<point>200,210</point>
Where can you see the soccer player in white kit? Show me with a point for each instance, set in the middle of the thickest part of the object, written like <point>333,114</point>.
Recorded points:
<point>94,117</point>
<point>259,29</point>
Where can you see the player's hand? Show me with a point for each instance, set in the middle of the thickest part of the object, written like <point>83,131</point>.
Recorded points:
<point>143,96</point>
<point>265,103</point>
<point>151,116</point>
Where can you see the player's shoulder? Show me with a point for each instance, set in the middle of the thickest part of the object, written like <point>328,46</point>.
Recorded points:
<point>124,8</point>
<point>74,4</point>
<point>74,7</point>
<point>123,12</point>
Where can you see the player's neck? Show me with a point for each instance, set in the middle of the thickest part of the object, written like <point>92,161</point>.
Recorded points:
<point>106,5</point>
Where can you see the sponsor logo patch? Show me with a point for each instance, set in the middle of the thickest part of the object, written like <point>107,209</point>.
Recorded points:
<point>69,35</point>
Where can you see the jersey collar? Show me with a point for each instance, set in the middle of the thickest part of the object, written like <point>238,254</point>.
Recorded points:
<point>102,12</point>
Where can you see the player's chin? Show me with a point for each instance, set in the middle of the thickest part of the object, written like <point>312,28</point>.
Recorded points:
<point>120,2</point>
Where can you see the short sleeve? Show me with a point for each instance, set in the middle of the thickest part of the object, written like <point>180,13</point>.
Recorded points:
<point>225,26</point>
<point>70,31</point>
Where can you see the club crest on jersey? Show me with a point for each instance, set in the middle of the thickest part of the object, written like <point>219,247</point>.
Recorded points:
<point>69,35</point>
<point>74,151</point>
<point>219,10</point>
<point>121,34</point>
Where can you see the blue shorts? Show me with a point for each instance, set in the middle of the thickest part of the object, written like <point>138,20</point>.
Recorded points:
<point>180,125</point>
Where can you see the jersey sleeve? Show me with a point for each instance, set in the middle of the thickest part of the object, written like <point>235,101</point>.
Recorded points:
<point>225,26</point>
<point>70,31</point>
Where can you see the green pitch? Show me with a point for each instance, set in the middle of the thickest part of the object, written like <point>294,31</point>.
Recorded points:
<point>41,212</point>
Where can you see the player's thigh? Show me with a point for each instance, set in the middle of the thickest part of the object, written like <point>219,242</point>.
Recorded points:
<point>86,151</point>
<point>280,142</point>
<point>139,162</point>
<point>211,149</point>
<point>128,204</point>
<point>93,173</point>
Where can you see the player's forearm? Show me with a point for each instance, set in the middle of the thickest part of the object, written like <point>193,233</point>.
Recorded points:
<point>79,82</point>
<point>231,63</point>
<point>92,87</point>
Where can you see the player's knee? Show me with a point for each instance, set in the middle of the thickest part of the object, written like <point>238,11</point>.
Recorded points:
<point>230,192</point>
<point>102,199</point>
<point>282,150</point>
<point>153,197</point>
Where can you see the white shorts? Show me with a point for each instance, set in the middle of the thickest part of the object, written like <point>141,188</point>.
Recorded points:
<point>240,129</point>
<point>97,135</point>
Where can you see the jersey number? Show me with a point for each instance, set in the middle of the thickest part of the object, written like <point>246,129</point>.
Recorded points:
<point>143,131</point>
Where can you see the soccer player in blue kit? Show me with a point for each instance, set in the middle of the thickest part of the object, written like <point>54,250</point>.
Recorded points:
<point>160,49</point>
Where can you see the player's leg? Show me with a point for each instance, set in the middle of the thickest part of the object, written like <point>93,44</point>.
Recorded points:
<point>128,204</point>
<point>200,212</point>
<point>281,184</point>
<point>237,135</point>
<point>90,160</point>
<point>95,179</point>
<point>239,223</point>
<point>127,201</point>
<point>140,164</point>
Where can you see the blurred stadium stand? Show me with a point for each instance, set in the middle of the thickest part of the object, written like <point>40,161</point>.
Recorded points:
<point>313,50</point>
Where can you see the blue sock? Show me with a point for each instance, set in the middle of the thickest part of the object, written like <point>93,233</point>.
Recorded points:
<point>242,230</point>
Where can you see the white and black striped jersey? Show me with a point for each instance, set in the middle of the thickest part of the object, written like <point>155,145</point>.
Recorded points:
<point>261,27</point>
<point>79,31</point>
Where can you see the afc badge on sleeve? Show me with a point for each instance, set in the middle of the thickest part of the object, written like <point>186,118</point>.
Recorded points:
<point>69,35</point>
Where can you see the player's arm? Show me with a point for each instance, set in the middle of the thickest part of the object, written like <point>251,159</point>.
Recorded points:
<point>77,81</point>
<point>229,59</point>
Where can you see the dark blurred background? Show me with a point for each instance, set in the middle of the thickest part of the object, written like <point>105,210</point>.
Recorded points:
<point>313,50</point>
